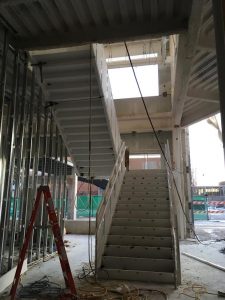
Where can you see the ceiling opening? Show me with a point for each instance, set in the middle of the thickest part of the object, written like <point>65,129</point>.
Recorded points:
<point>124,86</point>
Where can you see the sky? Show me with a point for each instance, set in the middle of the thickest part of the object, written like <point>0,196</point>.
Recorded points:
<point>206,153</point>
<point>124,85</point>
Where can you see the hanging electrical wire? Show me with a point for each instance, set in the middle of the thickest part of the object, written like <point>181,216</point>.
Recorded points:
<point>90,245</point>
<point>160,146</point>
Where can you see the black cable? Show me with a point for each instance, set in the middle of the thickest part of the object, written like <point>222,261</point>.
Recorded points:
<point>160,146</point>
<point>89,163</point>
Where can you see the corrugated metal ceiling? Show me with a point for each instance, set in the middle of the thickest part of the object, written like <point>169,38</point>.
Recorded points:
<point>203,76</point>
<point>93,20</point>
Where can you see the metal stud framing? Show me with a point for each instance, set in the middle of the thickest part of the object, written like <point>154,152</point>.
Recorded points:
<point>32,152</point>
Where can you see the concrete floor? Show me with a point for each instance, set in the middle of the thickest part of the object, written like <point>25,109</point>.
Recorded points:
<point>210,230</point>
<point>193,272</point>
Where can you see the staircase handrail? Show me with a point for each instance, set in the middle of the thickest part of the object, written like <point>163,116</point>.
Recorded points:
<point>173,217</point>
<point>107,207</point>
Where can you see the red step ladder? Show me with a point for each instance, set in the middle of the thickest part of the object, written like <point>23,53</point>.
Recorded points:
<point>70,285</point>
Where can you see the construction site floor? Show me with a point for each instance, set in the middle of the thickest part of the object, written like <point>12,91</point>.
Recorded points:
<point>193,272</point>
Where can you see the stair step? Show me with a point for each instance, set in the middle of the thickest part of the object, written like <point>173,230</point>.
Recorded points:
<point>148,188</point>
<point>145,173</point>
<point>145,207</point>
<point>138,251</point>
<point>142,214</point>
<point>133,263</point>
<point>159,194</point>
<point>143,200</point>
<point>141,222</point>
<point>129,275</point>
<point>140,240</point>
<point>145,177</point>
<point>142,231</point>
<point>155,181</point>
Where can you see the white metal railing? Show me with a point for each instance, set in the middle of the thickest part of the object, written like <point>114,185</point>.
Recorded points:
<point>107,100</point>
<point>173,218</point>
<point>107,208</point>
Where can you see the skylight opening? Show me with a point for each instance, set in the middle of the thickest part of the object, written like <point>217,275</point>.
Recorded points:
<point>124,86</point>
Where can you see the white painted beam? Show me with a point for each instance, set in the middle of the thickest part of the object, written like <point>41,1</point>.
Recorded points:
<point>137,62</point>
<point>103,34</point>
<point>185,55</point>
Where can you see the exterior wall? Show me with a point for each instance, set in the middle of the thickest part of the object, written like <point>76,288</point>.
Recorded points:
<point>145,163</point>
<point>146,142</point>
<point>141,143</point>
<point>79,226</point>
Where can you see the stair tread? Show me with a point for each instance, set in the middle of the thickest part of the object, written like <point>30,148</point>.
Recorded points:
<point>142,213</point>
<point>138,258</point>
<point>139,246</point>
<point>141,236</point>
<point>139,271</point>
<point>138,219</point>
<point>137,275</point>
<point>141,227</point>
<point>138,263</point>
<point>141,222</point>
<point>138,251</point>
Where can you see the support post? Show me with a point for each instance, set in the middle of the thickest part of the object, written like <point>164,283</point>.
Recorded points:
<point>178,174</point>
<point>72,195</point>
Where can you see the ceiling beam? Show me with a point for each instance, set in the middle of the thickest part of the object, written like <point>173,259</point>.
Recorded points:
<point>186,51</point>
<point>137,62</point>
<point>103,34</point>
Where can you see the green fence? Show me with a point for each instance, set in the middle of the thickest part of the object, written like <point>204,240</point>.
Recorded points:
<point>200,209</point>
<point>83,206</point>
<point>57,203</point>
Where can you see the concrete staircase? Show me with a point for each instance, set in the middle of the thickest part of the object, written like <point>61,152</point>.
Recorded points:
<point>139,244</point>
<point>71,77</point>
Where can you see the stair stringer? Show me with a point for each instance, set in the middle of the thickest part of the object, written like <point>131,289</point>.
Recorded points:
<point>107,97</point>
<point>107,207</point>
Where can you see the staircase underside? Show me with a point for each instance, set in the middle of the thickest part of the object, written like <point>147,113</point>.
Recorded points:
<point>71,79</point>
